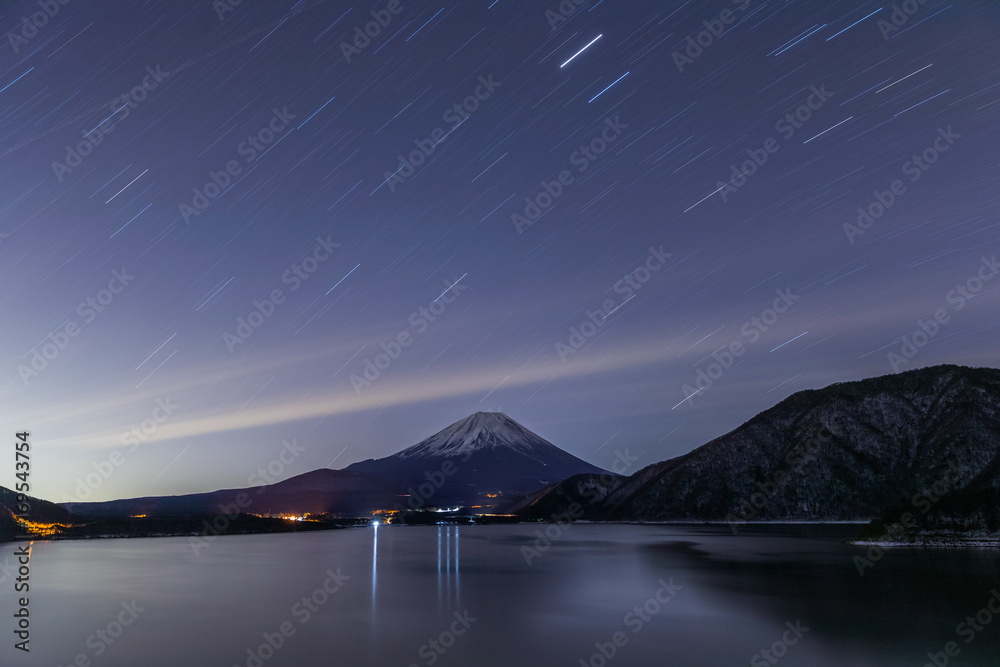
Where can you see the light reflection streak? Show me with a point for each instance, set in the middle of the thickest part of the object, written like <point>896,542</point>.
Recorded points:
<point>448,565</point>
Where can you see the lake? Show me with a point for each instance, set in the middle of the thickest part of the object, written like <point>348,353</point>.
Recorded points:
<point>468,596</point>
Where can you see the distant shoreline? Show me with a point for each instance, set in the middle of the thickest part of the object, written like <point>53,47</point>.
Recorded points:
<point>934,541</point>
<point>930,541</point>
<point>363,522</point>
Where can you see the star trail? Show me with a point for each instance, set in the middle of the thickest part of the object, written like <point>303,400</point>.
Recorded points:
<point>353,224</point>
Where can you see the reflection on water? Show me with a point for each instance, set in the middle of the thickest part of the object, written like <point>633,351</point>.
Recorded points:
<point>447,569</point>
<point>737,597</point>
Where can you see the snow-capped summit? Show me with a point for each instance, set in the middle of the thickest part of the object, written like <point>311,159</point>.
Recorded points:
<point>483,430</point>
<point>485,455</point>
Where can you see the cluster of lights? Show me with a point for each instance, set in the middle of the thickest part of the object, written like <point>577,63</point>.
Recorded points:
<point>41,529</point>
<point>286,517</point>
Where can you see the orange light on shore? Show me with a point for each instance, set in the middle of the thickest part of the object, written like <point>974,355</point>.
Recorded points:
<point>41,529</point>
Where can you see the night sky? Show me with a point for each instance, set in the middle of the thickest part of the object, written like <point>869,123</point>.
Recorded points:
<point>534,187</point>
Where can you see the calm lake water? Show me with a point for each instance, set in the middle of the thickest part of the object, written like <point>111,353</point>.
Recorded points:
<point>471,591</point>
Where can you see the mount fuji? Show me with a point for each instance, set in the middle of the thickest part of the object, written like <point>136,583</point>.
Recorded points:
<point>486,459</point>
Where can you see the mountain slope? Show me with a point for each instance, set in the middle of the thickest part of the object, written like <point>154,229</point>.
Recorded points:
<point>486,454</point>
<point>586,490</point>
<point>41,512</point>
<point>845,452</point>
<point>316,492</point>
